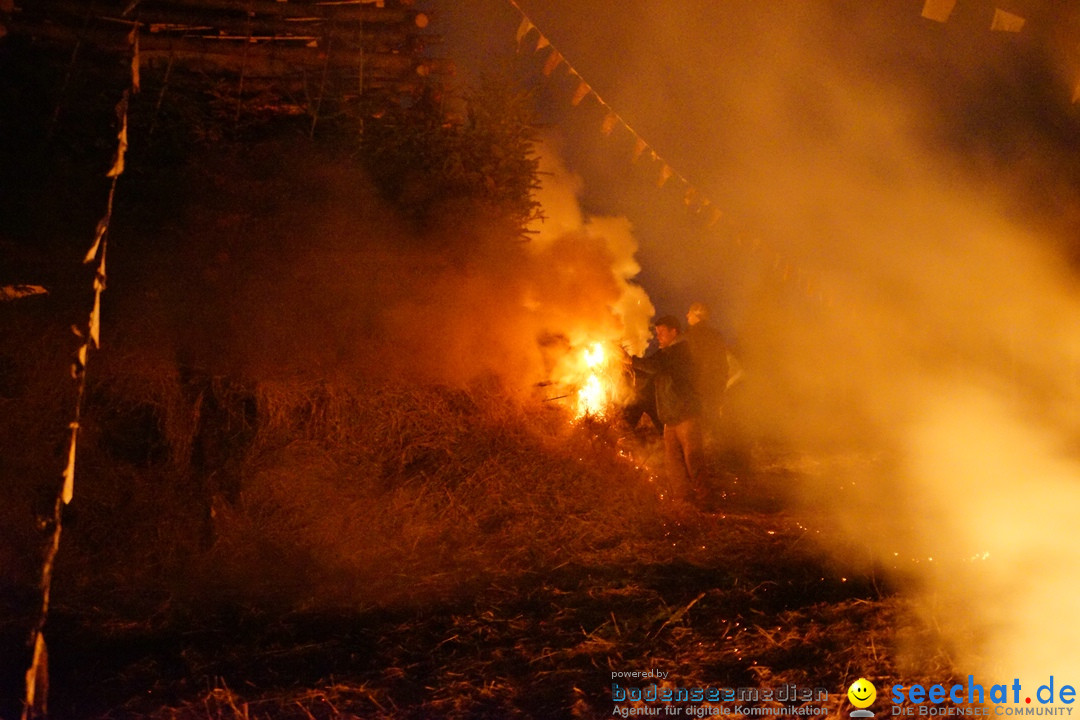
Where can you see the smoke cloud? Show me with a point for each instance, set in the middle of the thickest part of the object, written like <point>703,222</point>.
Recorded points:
<point>870,149</point>
<point>337,285</point>
<point>526,310</point>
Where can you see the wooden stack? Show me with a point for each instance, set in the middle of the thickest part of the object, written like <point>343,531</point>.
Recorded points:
<point>295,55</point>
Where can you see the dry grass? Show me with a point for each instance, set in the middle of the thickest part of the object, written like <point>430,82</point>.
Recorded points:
<point>394,550</point>
<point>381,491</point>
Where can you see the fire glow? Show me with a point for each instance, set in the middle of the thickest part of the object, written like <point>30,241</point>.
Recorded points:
<point>596,395</point>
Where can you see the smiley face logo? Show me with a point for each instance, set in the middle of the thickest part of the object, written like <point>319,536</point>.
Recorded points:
<point>862,693</point>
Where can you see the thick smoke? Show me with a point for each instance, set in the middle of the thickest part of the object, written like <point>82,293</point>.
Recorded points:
<point>591,259</point>
<point>337,285</point>
<point>951,347</point>
<point>868,147</point>
<point>525,310</point>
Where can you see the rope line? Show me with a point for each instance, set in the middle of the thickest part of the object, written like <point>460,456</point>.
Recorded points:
<point>35,700</point>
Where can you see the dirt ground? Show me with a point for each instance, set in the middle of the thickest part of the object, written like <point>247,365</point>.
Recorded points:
<point>739,596</point>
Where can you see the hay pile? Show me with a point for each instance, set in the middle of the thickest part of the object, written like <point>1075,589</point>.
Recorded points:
<point>351,547</point>
<point>375,492</point>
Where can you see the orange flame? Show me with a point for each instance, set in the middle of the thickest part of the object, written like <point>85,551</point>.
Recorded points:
<point>597,394</point>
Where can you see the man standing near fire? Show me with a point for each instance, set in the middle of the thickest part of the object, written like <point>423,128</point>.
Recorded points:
<point>678,406</point>
<point>710,355</point>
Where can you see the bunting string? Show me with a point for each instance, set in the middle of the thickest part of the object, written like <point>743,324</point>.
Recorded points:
<point>37,675</point>
<point>1002,21</point>
<point>693,198</point>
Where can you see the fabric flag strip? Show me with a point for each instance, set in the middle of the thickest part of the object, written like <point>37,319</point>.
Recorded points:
<point>938,10</point>
<point>609,123</point>
<point>665,175</point>
<point>582,91</point>
<point>37,675</point>
<point>133,38</point>
<point>555,59</point>
<point>14,292</point>
<point>1006,22</point>
<point>524,29</point>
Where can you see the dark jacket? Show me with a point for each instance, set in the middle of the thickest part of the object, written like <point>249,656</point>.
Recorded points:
<point>672,371</point>
<point>710,361</point>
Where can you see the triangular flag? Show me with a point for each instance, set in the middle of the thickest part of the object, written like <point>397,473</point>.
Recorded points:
<point>690,196</point>
<point>14,292</point>
<point>79,365</point>
<point>611,118</point>
<point>95,314</point>
<point>639,147</point>
<point>95,321</point>
<point>542,43</point>
<point>938,9</point>
<point>1006,21</point>
<point>554,60</point>
<point>523,30</point>
<point>665,175</point>
<point>714,216</point>
<point>102,226</point>
<point>582,90</point>
<point>69,472</point>
<point>133,38</point>
<point>121,147</point>
<point>38,674</point>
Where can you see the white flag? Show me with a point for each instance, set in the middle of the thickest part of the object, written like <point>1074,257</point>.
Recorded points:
<point>1006,21</point>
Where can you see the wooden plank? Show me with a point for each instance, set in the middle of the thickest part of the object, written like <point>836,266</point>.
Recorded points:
<point>381,37</point>
<point>268,8</point>
<point>231,55</point>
